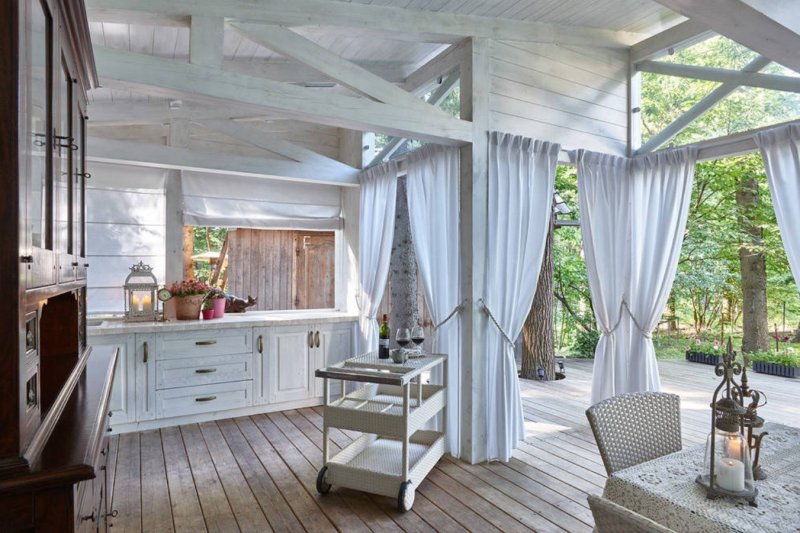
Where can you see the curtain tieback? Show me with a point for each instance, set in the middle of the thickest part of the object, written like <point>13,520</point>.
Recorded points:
<point>488,311</point>
<point>624,305</point>
<point>457,309</point>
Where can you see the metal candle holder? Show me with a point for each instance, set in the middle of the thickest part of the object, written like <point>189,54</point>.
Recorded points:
<point>728,468</point>
<point>752,421</point>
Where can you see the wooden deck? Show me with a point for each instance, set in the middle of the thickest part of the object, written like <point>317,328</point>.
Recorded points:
<point>258,473</point>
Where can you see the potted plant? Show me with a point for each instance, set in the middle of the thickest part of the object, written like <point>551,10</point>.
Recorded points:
<point>208,309</point>
<point>189,295</point>
<point>708,353</point>
<point>218,301</point>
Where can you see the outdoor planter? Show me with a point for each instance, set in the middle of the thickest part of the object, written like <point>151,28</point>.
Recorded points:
<point>703,357</point>
<point>775,369</point>
<point>219,307</point>
<point>188,307</point>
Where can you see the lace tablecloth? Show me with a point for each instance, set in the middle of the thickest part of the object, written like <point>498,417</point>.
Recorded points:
<point>665,490</point>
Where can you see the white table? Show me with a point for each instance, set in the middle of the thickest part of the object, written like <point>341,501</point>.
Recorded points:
<point>665,490</point>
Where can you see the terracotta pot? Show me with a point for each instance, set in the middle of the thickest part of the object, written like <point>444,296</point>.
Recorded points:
<point>188,307</point>
<point>208,314</point>
<point>219,307</point>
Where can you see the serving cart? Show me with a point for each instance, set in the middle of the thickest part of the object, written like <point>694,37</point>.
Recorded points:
<point>391,406</point>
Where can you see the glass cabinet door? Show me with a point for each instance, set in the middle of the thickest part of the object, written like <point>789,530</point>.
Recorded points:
<point>38,144</point>
<point>65,141</point>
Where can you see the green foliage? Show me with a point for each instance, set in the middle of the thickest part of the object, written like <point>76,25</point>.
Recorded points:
<point>207,239</point>
<point>585,343</point>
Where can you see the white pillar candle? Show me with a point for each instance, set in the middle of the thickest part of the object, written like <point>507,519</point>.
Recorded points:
<point>733,448</point>
<point>147,303</point>
<point>135,303</point>
<point>730,474</point>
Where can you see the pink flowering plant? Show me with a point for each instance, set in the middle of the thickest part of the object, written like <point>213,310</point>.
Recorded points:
<point>189,287</point>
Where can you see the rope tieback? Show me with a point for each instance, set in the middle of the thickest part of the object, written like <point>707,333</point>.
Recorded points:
<point>624,306</point>
<point>502,331</point>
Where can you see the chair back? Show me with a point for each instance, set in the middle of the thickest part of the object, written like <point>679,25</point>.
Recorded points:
<point>612,518</point>
<point>636,427</point>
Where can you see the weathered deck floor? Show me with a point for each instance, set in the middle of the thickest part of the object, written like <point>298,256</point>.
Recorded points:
<point>258,473</point>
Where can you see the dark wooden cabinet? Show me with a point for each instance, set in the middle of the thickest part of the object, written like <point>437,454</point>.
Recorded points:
<point>54,390</point>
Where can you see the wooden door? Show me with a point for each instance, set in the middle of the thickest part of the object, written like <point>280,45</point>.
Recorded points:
<point>314,280</point>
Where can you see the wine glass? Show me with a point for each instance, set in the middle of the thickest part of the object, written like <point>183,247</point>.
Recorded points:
<point>403,337</point>
<point>418,336</point>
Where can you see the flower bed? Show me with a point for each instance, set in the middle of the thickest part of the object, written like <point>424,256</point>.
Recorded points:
<point>703,357</point>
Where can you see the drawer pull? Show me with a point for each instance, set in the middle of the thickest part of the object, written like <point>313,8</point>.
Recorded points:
<point>205,370</point>
<point>205,399</point>
<point>205,343</point>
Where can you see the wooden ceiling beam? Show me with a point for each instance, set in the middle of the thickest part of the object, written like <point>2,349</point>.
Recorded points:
<point>173,77</point>
<point>722,75</point>
<point>430,24</point>
<point>738,20</point>
<point>681,35</point>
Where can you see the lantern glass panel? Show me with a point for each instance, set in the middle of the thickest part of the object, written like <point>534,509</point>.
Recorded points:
<point>733,471</point>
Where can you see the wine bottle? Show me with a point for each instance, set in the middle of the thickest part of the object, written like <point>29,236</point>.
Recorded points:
<point>383,339</point>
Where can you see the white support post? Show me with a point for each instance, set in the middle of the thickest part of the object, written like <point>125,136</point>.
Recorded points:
<point>206,38</point>
<point>475,80</point>
<point>173,238</point>
<point>634,109</point>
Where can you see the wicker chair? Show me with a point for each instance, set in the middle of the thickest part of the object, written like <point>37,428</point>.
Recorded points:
<point>612,518</point>
<point>636,427</point>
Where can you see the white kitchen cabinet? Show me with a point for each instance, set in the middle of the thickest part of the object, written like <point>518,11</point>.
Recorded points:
<point>145,365</point>
<point>122,403</point>
<point>334,346</point>
<point>288,367</point>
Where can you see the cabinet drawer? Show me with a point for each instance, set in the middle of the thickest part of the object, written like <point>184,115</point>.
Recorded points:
<point>184,372</point>
<point>206,342</point>
<point>203,398</point>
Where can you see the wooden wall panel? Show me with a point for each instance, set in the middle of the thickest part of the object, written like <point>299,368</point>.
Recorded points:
<point>266,265</point>
<point>574,96</point>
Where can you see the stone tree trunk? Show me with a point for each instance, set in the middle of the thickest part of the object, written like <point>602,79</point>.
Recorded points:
<point>538,347</point>
<point>753,270</point>
<point>405,309</point>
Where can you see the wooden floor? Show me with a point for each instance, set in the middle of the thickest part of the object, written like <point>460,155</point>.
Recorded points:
<point>258,473</point>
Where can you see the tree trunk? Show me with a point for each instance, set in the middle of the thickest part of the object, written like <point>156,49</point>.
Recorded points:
<point>753,270</point>
<point>405,311</point>
<point>188,251</point>
<point>538,350</point>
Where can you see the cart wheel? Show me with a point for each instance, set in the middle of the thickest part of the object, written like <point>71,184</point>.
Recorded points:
<point>405,498</point>
<point>323,486</point>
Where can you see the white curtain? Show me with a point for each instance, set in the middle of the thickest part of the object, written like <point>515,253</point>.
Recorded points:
<point>521,176</point>
<point>376,231</point>
<point>433,206</point>
<point>780,149</point>
<point>633,218</point>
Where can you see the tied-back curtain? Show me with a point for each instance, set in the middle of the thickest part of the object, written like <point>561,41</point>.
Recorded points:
<point>376,231</point>
<point>633,218</point>
<point>780,149</point>
<point>433,206</point>
<point>521,178</point>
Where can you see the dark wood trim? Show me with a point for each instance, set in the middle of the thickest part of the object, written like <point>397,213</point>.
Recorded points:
<point>80,41</point>
<point>10,212</point>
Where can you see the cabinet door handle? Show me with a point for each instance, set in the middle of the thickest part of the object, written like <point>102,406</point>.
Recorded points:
<point>205,399</point>
<point>144,359</point>
<point>316,339</point>
<point>205,370</point>
<point>260,344</point>
<point>26,259</point>
<point>88,517</point>
<point>206,343</point>
<point>310,339</point>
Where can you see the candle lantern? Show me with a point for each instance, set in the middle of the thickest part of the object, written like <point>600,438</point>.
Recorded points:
<point>727,469</point>
<point>140,294</point>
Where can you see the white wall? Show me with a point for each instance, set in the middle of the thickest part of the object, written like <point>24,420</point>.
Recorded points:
<point>571,95</point>
<point>125,214</point>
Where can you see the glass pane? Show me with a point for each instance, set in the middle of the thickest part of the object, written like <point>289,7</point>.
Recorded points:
<point>40,30</point>
<point>64,183</point>
<point>78,165</point>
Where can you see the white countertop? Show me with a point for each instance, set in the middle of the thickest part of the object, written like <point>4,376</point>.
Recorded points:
<point>248,319</point>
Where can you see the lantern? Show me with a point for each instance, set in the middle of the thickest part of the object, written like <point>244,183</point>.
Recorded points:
<point>727,469</point>
<point>140,294</point>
